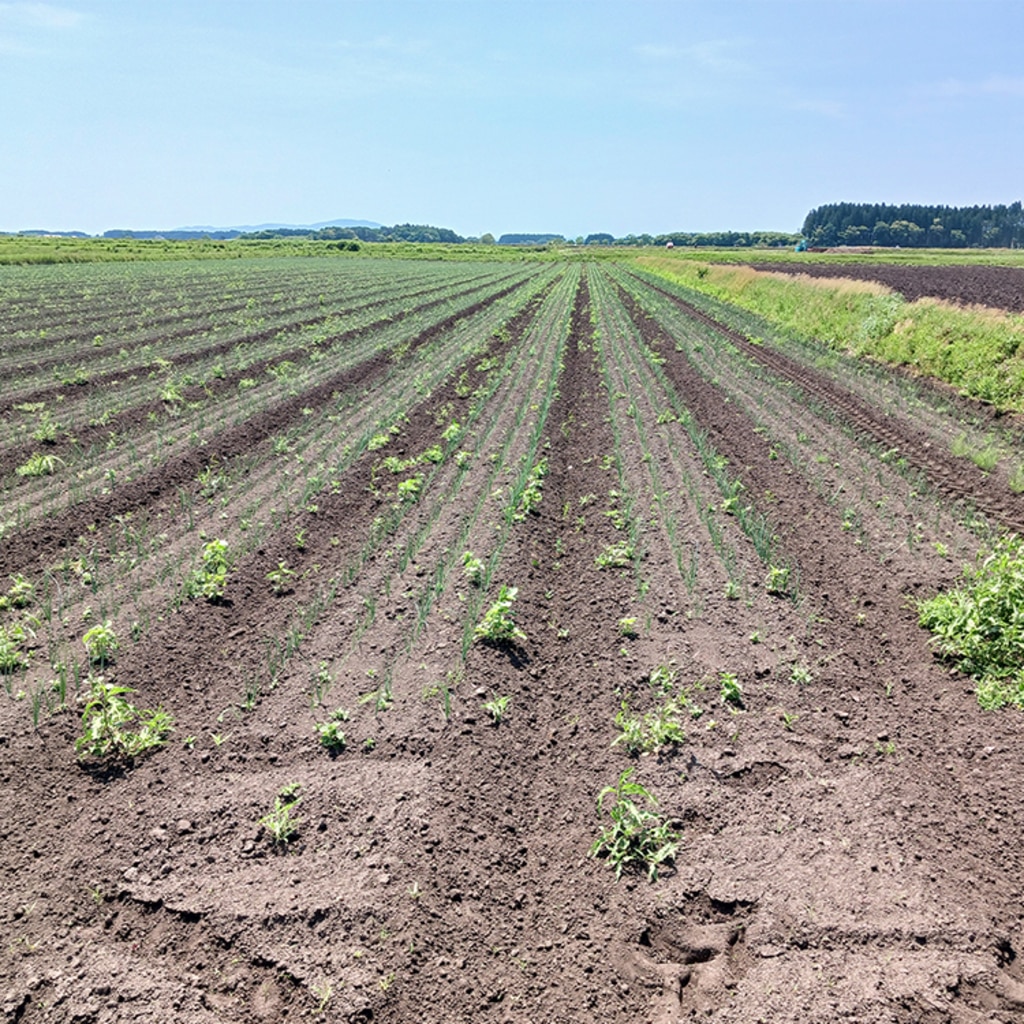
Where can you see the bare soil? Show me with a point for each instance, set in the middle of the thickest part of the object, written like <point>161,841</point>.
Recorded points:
<point>849,843</point>
<point>997,287</point>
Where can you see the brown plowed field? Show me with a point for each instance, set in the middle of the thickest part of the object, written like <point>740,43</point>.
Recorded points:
<point>997,287</point>
<point>847,818</point>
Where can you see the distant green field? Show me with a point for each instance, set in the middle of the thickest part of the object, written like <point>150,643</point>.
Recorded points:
<point>26,250</point>
<point>907,257</point>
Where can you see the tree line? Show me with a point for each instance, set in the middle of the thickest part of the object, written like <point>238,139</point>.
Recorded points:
<point>911,225</point>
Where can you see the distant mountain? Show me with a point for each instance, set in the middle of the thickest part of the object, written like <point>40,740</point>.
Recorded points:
<point>246,228</point>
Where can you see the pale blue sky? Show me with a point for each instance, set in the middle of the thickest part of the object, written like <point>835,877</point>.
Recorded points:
<point>503,115</point>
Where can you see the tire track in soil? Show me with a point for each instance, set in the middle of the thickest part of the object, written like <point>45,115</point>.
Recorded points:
<point>957,479</point>
<point>522,919</point>
<point>45,540</point>
<point>922,716</point>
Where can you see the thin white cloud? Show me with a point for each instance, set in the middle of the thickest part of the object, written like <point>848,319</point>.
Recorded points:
<point>653,52</point>
<point>384,44</point>
<point>994,85</point>
<point>44,16</point>
<point>719,55</point>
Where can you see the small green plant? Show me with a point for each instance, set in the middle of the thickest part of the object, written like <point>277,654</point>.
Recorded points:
<point>472,568</point>
<point>627,628</point>
<point>615,556</point>
<point>531,495</point>
<point>38,464</point>
<point>113,727</point>
<point>12,659</point>
<point>101,643</point>
<point>280,578</point>
<point>46,431</point>
<point>656,729</point>
<point>497,707</point>
<point>730,690</point>
<point>409,490</point>
<point>300,539</point>
<point>330,732</point>
<point>19,595</point>
<point>788,720</point>
<point>210,579</point>
<point>800,674</point>
<point>636,836</point>
<point>777,581</point>
<point>279,821</point>
<point>498,624</point>
<point>663,678</point>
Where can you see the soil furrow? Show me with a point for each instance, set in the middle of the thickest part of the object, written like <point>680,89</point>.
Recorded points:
<point>42,542</point>
<point>958,479</point>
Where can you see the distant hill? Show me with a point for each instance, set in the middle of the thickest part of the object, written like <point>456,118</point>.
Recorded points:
<point>248,228</point>
<point>208,231</point>
<point>525,239</point>
<point>42,233</point>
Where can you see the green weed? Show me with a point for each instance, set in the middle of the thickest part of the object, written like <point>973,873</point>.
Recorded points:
<point>280,823</point>
<point>113,727</point>
<point>498,624</point>
<point>981,626</point>
<point>636,837</point>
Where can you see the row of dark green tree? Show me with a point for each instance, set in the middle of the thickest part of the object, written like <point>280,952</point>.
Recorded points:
<point>398,233</point>
<point>911,225</point>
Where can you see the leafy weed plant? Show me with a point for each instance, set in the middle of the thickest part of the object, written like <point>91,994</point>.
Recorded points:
<point>210,579</point>
<point>615,556</point>
<point>472,568</point>
<point>280,823</point>
<point>497,708</point>
<point>656,729</point>
<point>280,578</point>
<point>730,689</point>
<point>330,732</point>
<point>38,464</point>
<point>636,837</point>
<point>498,624</point>
<point>112,727</point>
<point>981,624</point>
<point>101,643</point>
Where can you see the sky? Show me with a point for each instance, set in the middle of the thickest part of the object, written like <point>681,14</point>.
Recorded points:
<point>564,116</point>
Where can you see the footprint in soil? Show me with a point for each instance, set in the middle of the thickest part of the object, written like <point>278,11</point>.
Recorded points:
<point>689,964</point>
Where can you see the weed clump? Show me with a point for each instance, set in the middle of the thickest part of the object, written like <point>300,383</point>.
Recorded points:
<point>636,837</point>
<point>980,624</point>
<point>498,625</point>
<point>112,727</point>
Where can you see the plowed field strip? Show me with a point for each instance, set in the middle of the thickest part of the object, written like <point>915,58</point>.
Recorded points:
<point>995,287</point>
<point>45,540</point>
<point>515,795</point>
<point>959,480</point>
<point>211,351</point>
<point>141,413</point>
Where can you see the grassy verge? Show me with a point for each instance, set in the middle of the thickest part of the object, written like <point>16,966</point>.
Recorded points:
<point>976,351</point>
